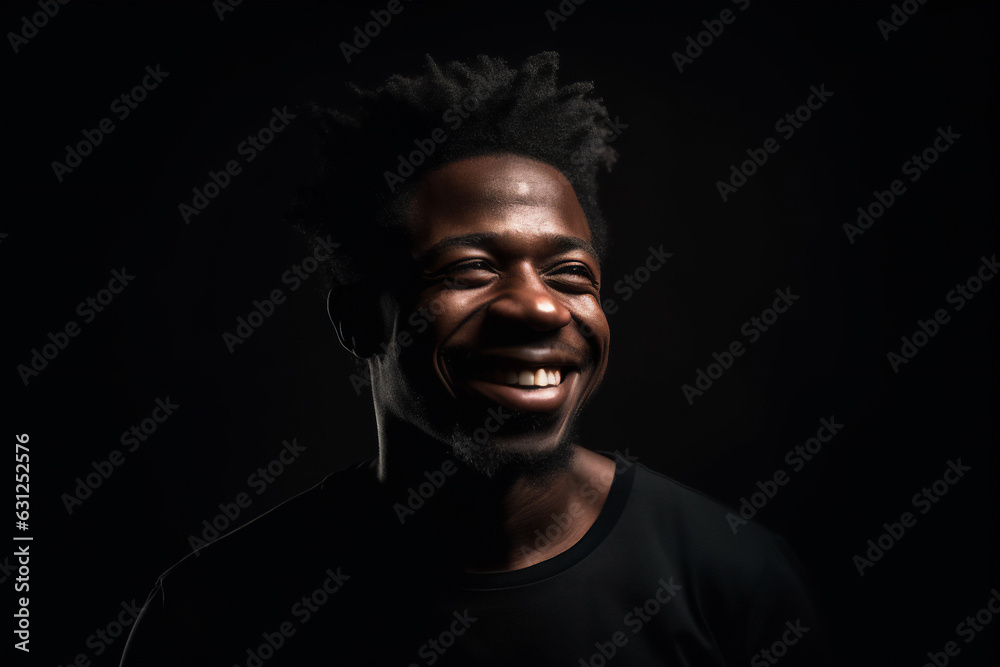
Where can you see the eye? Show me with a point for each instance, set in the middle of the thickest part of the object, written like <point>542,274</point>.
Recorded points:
<point>472,265</point>
<point>575,269</point>
<point>465,274</point>
<point>573,274</point>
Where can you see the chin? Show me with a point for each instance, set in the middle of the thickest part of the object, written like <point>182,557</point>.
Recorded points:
<point>528,455</point>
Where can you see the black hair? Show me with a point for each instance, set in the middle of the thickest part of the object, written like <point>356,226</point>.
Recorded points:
<point>373,157</point>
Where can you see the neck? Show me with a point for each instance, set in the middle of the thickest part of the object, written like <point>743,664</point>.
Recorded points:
<point>477,523</point>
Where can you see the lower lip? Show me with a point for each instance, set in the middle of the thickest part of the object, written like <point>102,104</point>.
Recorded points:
<point>527,399</point>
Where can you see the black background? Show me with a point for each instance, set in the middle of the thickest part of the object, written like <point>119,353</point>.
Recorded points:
<point>826,357</point>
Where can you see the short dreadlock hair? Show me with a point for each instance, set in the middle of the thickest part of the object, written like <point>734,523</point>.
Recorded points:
<point>373,158</point>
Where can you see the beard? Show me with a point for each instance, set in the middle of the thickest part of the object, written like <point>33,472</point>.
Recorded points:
<point>530,446</point>
<point>496,456</point>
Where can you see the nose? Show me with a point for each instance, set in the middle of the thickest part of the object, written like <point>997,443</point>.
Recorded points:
<point>527,300</point>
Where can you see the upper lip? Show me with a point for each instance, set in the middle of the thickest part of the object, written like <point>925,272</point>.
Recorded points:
<point>526,356</point>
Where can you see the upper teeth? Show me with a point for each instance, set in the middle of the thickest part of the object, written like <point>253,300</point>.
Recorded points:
<point>541,377</point>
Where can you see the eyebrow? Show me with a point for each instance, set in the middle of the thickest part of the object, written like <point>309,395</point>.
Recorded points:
<point>559,243</point>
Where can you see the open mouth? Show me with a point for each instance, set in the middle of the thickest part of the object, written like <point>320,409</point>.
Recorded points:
<point>528,385</point>
<point>526,377</point>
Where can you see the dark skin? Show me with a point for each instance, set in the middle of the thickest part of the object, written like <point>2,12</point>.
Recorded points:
<point>506,272</point>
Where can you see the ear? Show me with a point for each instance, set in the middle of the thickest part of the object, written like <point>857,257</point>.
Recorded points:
<point>356,319</point>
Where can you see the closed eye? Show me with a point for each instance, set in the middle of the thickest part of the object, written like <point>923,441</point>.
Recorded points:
<point>574,275</point>
<point>468,273</point>
<point>576,269</point>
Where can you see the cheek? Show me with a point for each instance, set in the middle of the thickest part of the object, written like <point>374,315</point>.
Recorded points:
<point>594,323</point>
<point>438,316</point>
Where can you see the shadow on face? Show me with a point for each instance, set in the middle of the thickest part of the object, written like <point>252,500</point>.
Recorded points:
<point>505,315</point>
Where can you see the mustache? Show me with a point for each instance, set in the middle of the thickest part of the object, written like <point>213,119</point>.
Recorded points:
<point>464,354</point>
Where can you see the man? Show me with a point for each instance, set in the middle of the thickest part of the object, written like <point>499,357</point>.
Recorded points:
<point>468,285</point>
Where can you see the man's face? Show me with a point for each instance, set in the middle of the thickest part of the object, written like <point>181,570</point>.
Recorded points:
<point>506,312</point>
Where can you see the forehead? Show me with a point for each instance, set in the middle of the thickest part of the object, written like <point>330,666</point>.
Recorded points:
<point>505,195</point>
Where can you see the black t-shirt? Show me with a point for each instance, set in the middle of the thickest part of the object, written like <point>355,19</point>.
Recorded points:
<point>334,577</point>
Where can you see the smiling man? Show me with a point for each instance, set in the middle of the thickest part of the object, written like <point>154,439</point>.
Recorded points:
<point>483,532</point>
<point>504,255</point>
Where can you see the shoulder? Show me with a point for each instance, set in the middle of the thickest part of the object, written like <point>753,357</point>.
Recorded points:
<point>688,509</point>
<point>709,540</point>
<point>246,582</point>
<point>296,536</point>
<point>741,578</point>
